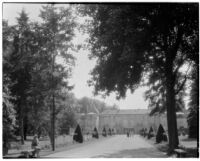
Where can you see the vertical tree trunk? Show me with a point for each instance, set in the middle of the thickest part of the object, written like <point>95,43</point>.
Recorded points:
<point>171,113</point>
<point>53,125</point>
<point>21,117</point>
<point>25,127</point>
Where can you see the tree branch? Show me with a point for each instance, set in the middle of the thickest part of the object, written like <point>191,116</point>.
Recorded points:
<point>183,83</point>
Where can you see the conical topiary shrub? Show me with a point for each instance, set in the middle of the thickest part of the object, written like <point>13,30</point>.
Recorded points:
<point>145,132</point>
<point>78,137</point>
<point>109,132</point>
<point>104,132</point>
<point>113,133</point>
<point>141,132</point>
<point>150,134</point>
<point>159,135</point>
<point>95,133</point>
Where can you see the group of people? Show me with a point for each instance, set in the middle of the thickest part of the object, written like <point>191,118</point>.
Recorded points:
<point>130,133</point>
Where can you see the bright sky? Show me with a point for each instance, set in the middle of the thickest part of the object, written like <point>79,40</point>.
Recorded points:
<point>83,64</point>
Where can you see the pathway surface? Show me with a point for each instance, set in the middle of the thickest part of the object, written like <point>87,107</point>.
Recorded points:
<point>118,146</point>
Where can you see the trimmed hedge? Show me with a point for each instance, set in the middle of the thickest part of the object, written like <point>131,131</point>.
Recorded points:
<point>78,137</point>
<point>150,134</point>
<point>161,136</point>
<point>109,132</point>
<point>104,133</point>
<point>95,133</point>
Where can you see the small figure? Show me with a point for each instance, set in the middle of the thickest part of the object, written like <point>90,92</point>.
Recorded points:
<point>127,134</point>
<point>35,146</point>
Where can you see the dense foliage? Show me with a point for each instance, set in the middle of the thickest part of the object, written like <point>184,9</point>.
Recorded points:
<point>144,43</point>
<point>33,79</point>
<point>194,106</point>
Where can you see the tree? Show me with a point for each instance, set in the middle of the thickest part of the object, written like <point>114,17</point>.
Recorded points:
<point>138,41</point>
<point>32,54</point>
<point>78,137</point>
<point>66,117</point>
<point>192,118</point>
<point>9,113</point>
<point>19,68</point>
<point>58,31</point>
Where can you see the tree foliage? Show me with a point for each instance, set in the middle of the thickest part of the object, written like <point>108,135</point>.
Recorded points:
<point>192,118</point>
<point>29,50</point>
<point>139,42</point>
<point>87,105</point>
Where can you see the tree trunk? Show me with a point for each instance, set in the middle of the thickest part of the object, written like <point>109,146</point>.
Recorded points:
<point>171,113</point>
<point>53,124</point>
<point>21,117</point>
<point>25,127</point>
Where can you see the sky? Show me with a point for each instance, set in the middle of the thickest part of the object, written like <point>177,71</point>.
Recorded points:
<point>80,74</point>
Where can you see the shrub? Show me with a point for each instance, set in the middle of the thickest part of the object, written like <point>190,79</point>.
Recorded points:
<point>113,132</point>
<point>150,134</point>
<point>159,135</point>
<point>95,133</point>
<point>145,132</point>
<point>142,132</point>
<point>110,132</point>
<point>104,132</point>
<point>78,137</point>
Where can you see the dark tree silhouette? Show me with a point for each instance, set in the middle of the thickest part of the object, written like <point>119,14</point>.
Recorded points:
<point>150,134</point>
<point>78,137</point>
<point>161,136</point>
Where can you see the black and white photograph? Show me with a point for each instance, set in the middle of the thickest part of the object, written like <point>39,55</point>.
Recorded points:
<point>100,79</point>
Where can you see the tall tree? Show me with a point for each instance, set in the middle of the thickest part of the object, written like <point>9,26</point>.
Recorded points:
<point>136,40</point>
<point>19,68</point>
<point>9,113</point>
<point>193,105</point>
<point>58,30</point>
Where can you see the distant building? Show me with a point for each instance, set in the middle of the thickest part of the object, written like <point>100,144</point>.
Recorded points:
<point>126,120</point>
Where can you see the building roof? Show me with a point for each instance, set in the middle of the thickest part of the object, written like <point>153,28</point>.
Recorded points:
<point>126,111</point>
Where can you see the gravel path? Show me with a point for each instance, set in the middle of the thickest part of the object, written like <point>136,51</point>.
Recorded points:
<point>118,146</point>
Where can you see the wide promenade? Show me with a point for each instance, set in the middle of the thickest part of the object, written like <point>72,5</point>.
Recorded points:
<point>118,146</point>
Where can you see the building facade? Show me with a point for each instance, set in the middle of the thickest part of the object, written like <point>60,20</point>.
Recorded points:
<point>123,120</point>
